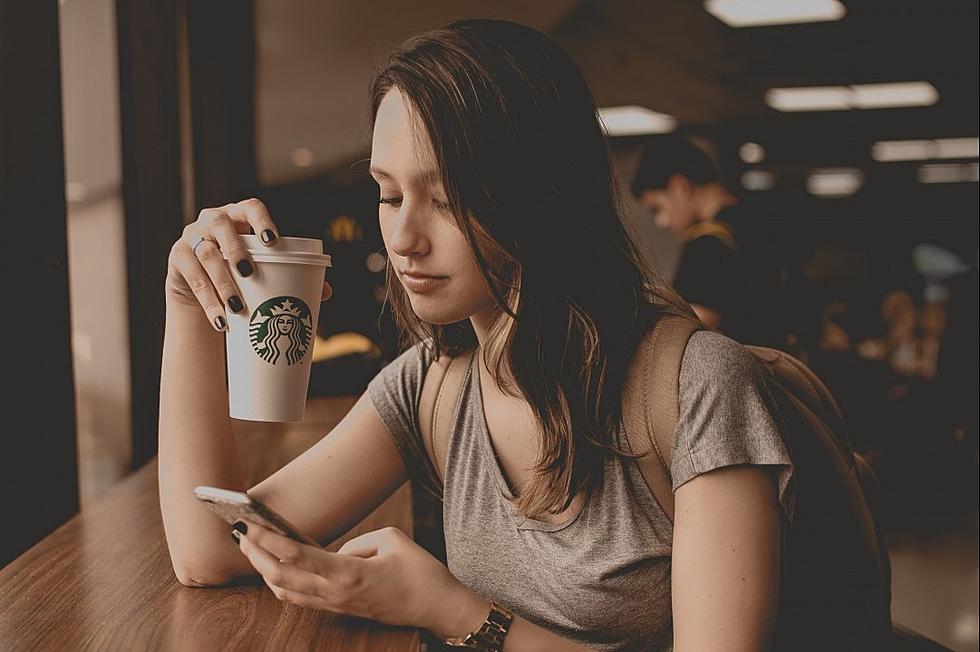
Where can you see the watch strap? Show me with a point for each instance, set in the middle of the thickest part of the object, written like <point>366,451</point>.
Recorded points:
<point>490,636</point>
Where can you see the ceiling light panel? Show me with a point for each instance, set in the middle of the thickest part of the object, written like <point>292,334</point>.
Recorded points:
<point>813,98</point>
<point>634,121</point>
<point>957,148</point>
<point>885,96</point>
<point>857,96</point>
<point>902,150</point>
<point>754,13</point>
<point>923,150</point>
<point>949,173</point>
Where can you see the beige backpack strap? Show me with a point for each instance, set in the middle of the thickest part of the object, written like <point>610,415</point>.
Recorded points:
<point>440,389</point>
<point>650,402</point>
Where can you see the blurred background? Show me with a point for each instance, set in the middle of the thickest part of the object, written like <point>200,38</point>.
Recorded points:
<point>846,130</point>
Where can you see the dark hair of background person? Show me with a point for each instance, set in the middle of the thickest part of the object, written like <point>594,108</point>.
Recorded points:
<point>667,155</point>
<point>528,177</point>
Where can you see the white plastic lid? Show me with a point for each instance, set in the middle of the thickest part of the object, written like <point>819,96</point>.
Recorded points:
<point>304,251</point>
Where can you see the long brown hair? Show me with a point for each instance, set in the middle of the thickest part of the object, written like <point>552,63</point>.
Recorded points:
<point>527,173</point>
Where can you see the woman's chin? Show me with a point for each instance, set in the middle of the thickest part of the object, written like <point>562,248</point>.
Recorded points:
<point>436,317</point>
<point>433,310</point>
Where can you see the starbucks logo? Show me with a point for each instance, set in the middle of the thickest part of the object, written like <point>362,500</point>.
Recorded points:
<point>279,325</point>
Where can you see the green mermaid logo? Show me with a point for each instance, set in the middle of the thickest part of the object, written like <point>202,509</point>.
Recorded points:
<point>281,323</point>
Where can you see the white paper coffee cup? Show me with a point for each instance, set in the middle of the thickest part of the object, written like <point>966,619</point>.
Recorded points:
<point>269,344</point>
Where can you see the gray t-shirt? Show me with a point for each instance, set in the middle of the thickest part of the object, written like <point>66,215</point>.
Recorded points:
<point>602,578</point>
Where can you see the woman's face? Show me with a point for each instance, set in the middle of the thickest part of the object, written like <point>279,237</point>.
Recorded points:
<point>419,232</point>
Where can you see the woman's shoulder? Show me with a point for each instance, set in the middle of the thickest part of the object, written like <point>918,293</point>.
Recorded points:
<point>408,370</point>
<point>711,356</point>
<point>395,392</point>
<point>401,379</point>
<point>711,362</point>
<point>721,381</point>
<point>728,415</point>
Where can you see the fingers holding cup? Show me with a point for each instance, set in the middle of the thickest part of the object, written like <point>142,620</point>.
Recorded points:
<point>218,225</point>
<point>255,213</point>
<point>188,275</point>
<point>208,256</point>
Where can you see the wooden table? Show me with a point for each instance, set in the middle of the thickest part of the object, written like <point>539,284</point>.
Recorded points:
<point>104,581</point>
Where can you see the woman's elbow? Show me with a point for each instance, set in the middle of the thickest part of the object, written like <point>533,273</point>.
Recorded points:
<point>199,578</point>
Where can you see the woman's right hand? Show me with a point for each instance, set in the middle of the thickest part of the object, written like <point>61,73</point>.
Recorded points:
<point>201,278</point>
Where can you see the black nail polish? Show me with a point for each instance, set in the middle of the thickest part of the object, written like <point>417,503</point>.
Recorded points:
<point>236,537</point>
<point>268,236</point>
<point>244,267</point>
<point>235,303</point>
<point>219,321</point>
<point>241,527</point>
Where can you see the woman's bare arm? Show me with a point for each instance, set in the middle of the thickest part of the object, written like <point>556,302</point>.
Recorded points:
<point>725,560</point>
<point>196,444</point>
<point>324,492</point>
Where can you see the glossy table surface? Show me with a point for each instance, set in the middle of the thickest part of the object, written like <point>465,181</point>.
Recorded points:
<point>104,581</point>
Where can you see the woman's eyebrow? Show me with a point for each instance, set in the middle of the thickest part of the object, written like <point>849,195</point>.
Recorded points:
<point>429,177</point>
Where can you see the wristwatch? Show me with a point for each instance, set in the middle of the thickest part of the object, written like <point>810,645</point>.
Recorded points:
<point>490,636</point>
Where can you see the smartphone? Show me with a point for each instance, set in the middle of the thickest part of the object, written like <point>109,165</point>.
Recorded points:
<point>239,506</point>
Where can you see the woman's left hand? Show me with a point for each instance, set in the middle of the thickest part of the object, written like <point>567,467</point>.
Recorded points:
<point>382,575</point>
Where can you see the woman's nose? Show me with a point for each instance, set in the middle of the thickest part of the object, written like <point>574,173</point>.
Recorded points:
<point>408,232</point>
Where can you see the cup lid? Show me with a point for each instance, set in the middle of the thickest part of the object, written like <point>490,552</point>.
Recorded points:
<point>308,251</point>
<point>282,245</point>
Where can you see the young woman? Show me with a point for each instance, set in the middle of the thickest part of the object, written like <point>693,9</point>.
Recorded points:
<point>502,224</point>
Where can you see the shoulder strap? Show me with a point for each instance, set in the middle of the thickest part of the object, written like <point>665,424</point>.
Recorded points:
<point>713,228</point>
<point>650,402</point>
<point>440,389</point>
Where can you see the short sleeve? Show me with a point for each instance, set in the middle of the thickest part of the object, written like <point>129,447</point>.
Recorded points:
<point>728,416</point>
<point>395,393</point>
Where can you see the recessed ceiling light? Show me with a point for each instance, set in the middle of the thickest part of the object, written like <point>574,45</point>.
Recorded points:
<point>922,150</point>
<point>834,182</point>
<point>857,96</point>
<point>949,173</point>
<point>752,152</point>
<point>634,120</point>
<point>750,13</point>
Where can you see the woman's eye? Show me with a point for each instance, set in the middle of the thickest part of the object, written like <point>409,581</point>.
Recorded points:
<point>397,201</point>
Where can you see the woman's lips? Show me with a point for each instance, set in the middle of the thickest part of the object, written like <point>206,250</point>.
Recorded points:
<point>422,283</point>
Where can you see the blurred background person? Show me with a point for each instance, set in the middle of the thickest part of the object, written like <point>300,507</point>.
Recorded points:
<point>725,281</point>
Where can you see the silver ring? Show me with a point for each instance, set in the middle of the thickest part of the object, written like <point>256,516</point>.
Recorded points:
<point>194,249</point>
